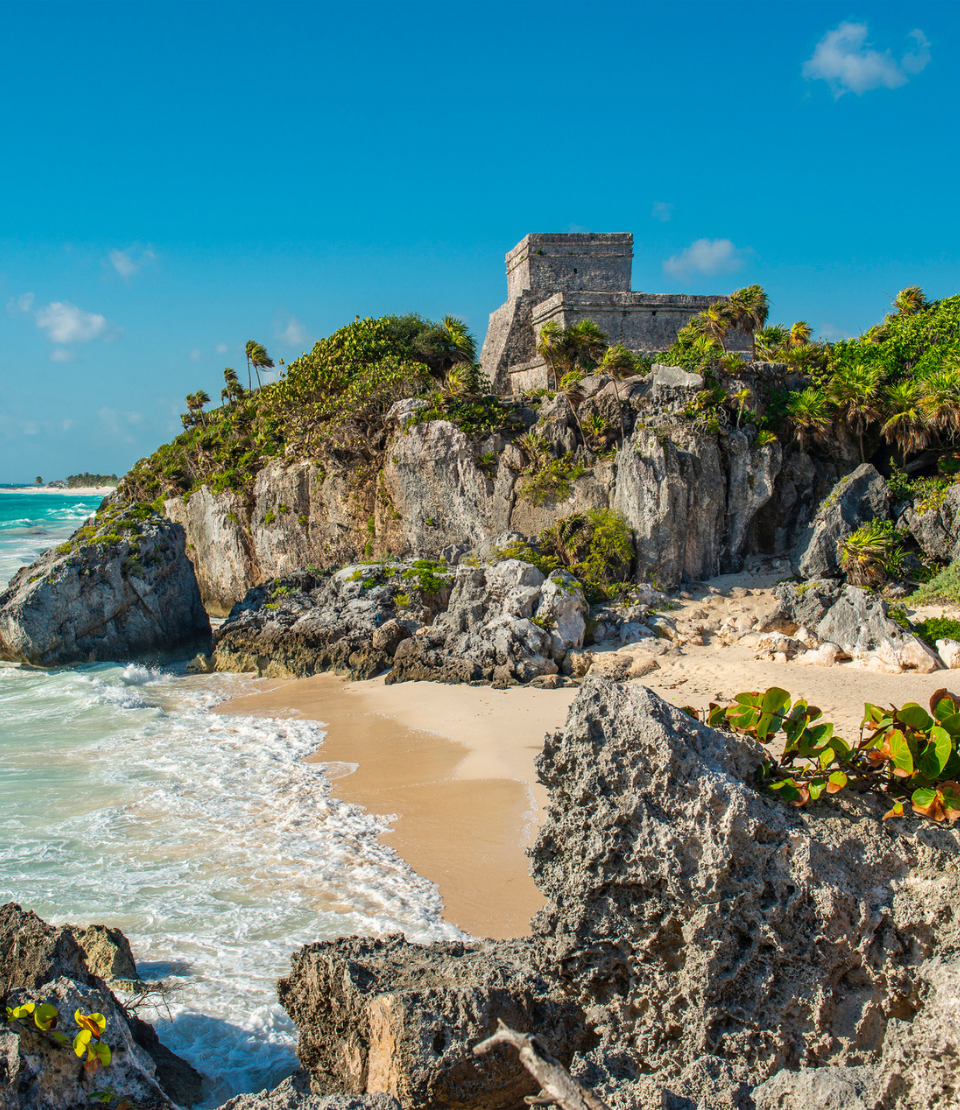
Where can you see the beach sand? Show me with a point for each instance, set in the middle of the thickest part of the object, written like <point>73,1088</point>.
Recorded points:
<point>80,491</point>
<point>455,763</point>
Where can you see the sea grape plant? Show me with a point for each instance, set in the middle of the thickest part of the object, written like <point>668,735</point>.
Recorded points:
<point>906,753</point>
<point>86,1043</point>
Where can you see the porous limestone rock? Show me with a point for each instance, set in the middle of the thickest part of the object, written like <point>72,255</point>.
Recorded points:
<point>124,591</point>
<point>856,621</point>
<point>692,915</point>
<point>34,956</point>
<point>672,491</point>
<point>388,1016</point>
<point>920,1066</point>
<point>503,624</point>
<point>856,499</point>
<point>107,953</point>
<point>935,524</point>
<point>949,652</point>
<point>43,1074</point>
<point>818,1089</point>
<point>294,1094</point>
<point>751,474</point>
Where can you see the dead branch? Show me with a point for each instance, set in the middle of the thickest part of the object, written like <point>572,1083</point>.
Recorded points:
<point>557,1084</point>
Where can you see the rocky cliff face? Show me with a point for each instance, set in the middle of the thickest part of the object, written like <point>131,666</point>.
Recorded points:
<point>710,934</point>
<point>120,588</point>
<point>691,497</point>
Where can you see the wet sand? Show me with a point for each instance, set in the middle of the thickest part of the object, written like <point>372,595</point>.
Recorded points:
<point>455,763</point>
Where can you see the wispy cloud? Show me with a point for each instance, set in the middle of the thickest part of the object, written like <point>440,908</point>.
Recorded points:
<point>662,211</point>
<point>222,348</point>
<point>61,354</point>
<point>195,354</point>
<point>129,261</point>
<point>294,334</point>
<point>118,423</point>
<point>65,323</point>
<point>23,303</point>
<point>848,63</point>
<point>707,257</point>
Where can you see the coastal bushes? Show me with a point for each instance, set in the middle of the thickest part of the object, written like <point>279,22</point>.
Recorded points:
<point>905,754</point>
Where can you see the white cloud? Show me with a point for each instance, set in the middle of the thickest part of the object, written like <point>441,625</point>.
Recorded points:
<point>128,262</point>
<point>23,303</point>
<point>294,334</point>
<point>222,348</point>
<point>845,60</point>
<point>704,256</point>
<point>195,354</point>
<point>65,323</point>
<point>662,211</point>
<point>61,354</point>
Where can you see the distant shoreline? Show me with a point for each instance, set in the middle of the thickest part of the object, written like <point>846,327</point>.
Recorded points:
<point>79,491</point>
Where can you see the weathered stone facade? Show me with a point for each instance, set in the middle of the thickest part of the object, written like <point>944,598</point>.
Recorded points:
<point>569,278</point>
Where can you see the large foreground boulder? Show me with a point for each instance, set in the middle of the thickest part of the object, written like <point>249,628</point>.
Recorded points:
<point>387,1016</point>
<point>43,963</point>
<point>710,935</point>
<point>121,588</point>
<point>860,497</point>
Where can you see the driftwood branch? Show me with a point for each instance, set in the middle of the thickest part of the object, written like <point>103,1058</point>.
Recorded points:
<point>558,1085</point>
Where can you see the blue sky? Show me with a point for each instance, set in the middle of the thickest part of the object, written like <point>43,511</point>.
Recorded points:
<point>181,177</point>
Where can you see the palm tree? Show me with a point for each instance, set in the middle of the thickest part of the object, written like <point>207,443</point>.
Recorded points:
<point>619,363</point>
<point>910,301</point>
<point>941,399</point>
<point>907,423</point>
<point>578,347</point>
<point>769,342</point>
<point>718,320</point>
<point>258,359</point>
<point>809,412</point>
<point>749,309</point>
<point>855,392</point>
<point>233,386</point>
<point>800,333</point>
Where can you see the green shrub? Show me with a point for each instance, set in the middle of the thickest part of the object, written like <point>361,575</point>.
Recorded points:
<point>551,480</point>
<point>904,753</point>
<point>269,517</point>
<point>430,577</point>
<point>938,628</point>
<point>943,588</point>
<point>873,553</point>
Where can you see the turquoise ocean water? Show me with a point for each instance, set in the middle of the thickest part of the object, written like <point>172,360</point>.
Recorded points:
<point>207,839</point>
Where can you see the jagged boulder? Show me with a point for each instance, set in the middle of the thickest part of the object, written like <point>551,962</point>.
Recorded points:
<point>388,1016</point>
<point>294,1094</point>
<point>694,916</point>
<point>46,963</point>
<point>856,621</point>
<point>752,473</point>
<point>935,524</point>
<point>856,499</point>
<point>504,623</point>
<point>818,1089</point>
<point>121,588</point>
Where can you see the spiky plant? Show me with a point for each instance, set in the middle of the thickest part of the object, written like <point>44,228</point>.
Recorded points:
<point>749,309</point>
<point>941,399</point>
<point>769,342</point>
<point>907,422</point>
<point>800,333</point>
<point>910,301</point>
<point>855,391</point>
<point>809,413</point>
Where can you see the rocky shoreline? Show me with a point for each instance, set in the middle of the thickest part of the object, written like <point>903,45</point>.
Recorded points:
<point>703,945</point>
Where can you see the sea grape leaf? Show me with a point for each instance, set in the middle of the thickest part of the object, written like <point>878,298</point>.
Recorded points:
<point>900,755</point>
<point>774,702</point>
<point>933,758</point>
<point>816,788</point>
<point>914,716</point>
<point>19,1012</point>
<point>837,781</point>
<point>45,1016</point>
<point>95,1023</point>
<point>81,1041</point>
<point>895,811</point>
<point>950,791</point>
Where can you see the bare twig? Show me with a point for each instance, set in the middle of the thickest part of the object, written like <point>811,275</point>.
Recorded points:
<point>558,1085</point>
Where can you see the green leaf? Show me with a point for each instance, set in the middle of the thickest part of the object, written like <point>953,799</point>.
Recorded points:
<point>102,1052</point>
<point>772,706</point>
<point>933,758</point>
<point>951,797</point>
<point>816,788</point>
<point>946,713</point>
<point>900,755</point>
<point>914,716</point>
<point>837,781</point>
<point>44,1016</point>
<point>81,1041</point>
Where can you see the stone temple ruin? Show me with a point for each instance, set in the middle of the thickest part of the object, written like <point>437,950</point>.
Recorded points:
<point>569,278</point>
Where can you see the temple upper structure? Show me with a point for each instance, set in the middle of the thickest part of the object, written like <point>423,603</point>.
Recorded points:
<point>569,278</point>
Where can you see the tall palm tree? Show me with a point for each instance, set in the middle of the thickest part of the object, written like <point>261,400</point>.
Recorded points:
<point>258,359</point>
<point>749,309</point>
<point>619,363</point>
<point>769,342</point>
<point>578,347</point>
<point>910,301</point>
<point>907,423</point>
<point>855,390</point>
<point>719,318</point>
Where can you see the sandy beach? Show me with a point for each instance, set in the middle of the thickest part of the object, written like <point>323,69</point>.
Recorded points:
<point>79,491</point>
<point>455,764</point>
